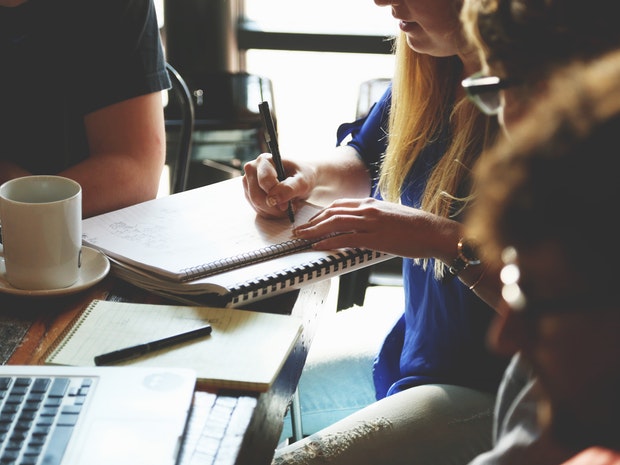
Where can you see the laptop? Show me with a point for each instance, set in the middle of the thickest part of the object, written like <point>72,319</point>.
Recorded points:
<point>60,415</point>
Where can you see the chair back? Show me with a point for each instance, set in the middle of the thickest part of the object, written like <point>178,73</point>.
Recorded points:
<point>180,119</point>
<point>370,92</point>
<point>228,128</point>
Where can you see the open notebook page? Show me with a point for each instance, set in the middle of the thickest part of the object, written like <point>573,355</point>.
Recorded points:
<point>189,229</point>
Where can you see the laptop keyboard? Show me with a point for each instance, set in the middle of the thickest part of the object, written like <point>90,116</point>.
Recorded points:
<point>37,417</point>
<point>215,429</point>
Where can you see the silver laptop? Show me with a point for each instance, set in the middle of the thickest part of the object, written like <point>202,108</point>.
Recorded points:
<point>58,415</point>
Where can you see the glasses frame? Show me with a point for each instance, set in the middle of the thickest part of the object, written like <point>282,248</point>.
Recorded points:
<point>479,85</point>
<point>513,295</point>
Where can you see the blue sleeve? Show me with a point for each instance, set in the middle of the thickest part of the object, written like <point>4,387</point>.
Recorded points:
<point>369,134</point>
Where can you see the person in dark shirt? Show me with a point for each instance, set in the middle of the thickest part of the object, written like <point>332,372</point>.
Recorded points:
<point>81,96</point>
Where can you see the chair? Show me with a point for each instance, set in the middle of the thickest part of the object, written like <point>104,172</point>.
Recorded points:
<point>180,118</point>
<point>228,129</point>
<point>370,92</point>
<point>353,285</point>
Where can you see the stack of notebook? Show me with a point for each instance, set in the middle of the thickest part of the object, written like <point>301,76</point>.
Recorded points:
<point>208,246</point>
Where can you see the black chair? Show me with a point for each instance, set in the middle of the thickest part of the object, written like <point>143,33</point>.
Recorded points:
<point>352,286</point>
<point>180,120</point>
<point>228,128</point>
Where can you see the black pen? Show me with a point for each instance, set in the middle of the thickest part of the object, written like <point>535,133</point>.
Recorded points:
<point>272,140</point>
<point>141,349</point>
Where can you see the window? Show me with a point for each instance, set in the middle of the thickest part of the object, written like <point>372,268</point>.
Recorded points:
<point>323,16</point>
<point>316,91</point>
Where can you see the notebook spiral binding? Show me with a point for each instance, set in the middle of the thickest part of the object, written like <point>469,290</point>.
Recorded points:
<point>292,277</point>
<point>245,259</point>
<point>67,332</point>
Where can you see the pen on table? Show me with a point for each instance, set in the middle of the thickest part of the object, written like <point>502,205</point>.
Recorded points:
<point>272,140</point>
<point>141,349</point>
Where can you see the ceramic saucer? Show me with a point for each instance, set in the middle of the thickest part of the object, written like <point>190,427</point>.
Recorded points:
<point>95,266</point>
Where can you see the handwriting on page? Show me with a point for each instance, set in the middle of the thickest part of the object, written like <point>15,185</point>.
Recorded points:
<point>178,230</point>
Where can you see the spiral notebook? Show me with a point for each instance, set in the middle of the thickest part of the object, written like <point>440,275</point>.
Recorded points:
<point>245,349</point>
<point>208,246</point>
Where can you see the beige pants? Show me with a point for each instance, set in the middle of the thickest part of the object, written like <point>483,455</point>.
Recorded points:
<point>424,425</point>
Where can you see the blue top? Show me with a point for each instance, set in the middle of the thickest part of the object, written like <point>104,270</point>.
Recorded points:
<point>441,336</point>
<point>63,59</point>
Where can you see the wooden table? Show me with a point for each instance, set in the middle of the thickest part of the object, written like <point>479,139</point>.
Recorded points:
<point>44,319</point>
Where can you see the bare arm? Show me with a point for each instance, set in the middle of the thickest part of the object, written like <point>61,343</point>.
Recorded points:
<point>399,230</point>
<point>340,173</point>
<point>127,154</point>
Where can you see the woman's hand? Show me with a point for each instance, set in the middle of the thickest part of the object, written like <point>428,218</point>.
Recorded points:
<point>270,197</point>
<point>383,226</point>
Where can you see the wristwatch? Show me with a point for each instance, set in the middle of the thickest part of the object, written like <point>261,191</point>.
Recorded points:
<point>467,255</point>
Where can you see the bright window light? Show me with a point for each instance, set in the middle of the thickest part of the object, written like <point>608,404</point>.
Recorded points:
<point>316,91</point>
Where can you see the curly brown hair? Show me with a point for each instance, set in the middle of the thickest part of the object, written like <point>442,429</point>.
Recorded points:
<point>556,180</point>
<point>527,39</point>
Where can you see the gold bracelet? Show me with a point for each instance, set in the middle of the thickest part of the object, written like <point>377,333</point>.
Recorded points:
<point>471,288</point>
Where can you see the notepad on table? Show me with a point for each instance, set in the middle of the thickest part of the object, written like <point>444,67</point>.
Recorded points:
<point>207,246</point>
<point>245,349</point>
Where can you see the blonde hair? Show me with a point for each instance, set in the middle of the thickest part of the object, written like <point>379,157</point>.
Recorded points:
<point>423,95</point>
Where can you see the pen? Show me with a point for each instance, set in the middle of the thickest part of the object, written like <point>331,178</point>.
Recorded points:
<point>141,349</point>
<point>272,140</point>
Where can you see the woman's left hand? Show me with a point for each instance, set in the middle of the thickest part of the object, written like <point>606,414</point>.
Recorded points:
<point>380,225</point>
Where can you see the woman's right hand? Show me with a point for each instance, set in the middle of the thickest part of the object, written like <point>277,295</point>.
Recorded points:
<point>270,197</point>
<point>323,178</point>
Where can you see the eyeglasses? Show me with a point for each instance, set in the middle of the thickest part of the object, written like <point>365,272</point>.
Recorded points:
<point>529,308</point>
<point>483,91</point>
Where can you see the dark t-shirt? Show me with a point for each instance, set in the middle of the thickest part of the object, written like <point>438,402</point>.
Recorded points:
<point>63,59</point>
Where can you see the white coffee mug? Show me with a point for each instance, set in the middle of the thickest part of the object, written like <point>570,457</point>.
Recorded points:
<point>41,220</point>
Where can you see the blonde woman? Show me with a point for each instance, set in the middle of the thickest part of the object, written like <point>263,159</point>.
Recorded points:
<point>434,378</point>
